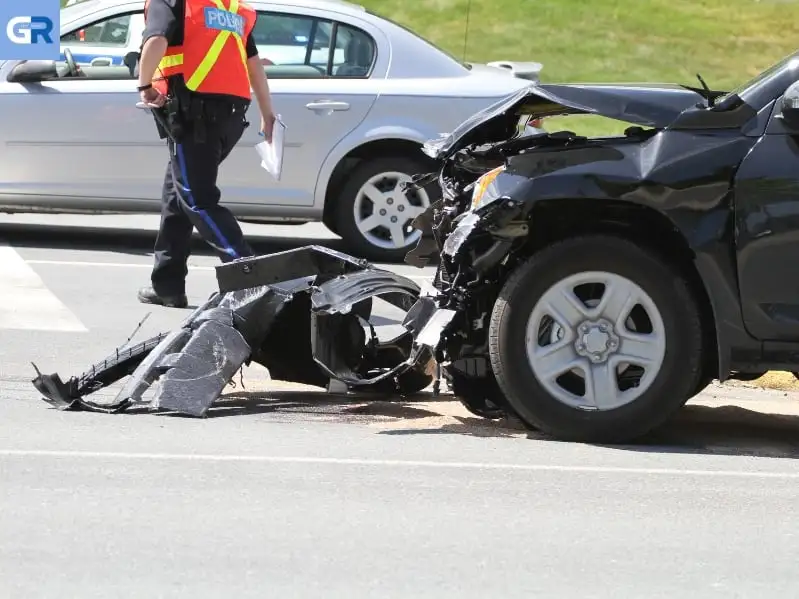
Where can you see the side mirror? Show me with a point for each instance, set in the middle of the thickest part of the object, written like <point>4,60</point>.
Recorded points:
<point>33,71</point>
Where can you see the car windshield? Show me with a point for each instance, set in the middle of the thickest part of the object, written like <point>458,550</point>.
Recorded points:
<point>742,91</point>
<point>465,65</point>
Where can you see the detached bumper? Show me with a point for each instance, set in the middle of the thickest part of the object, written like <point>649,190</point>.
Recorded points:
<point>303,314</point>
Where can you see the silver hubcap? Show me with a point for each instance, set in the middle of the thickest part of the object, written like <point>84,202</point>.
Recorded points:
<point>383,212</point>
<point>595,341</point>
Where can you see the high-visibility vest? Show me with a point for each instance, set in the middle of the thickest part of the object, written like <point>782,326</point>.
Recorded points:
<point>213,57</point>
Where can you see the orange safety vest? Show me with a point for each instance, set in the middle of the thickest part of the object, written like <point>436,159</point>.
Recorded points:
<point>213,57</point>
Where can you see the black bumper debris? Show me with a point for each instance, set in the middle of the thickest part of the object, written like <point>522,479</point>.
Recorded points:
<point>303,314</point>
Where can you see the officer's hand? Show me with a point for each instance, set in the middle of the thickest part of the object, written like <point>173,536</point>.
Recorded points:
<point>152,97</point>
<point>267,123</point>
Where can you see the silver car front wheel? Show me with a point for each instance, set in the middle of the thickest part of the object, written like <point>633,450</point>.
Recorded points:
<point>374,213</point>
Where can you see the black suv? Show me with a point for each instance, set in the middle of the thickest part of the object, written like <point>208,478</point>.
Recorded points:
<point>598,284</point>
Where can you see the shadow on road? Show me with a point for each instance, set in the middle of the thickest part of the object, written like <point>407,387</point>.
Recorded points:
<point>417,414</point>
<point>136,242</point>
<point>726,430</point>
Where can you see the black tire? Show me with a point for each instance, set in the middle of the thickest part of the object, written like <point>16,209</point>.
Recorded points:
<point>480,396</point>
<point>672,386</point>
<point>343,218</point>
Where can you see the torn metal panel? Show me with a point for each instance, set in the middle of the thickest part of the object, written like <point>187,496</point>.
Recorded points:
<point>266,311</point>
<point>339,343</point>
<point>317,262</point>
<point>147,372</point>
<point>335,334</point>
<point>195,377</point>
<point>343,292</point>
<point>194,364</point>
<point>70,395</point>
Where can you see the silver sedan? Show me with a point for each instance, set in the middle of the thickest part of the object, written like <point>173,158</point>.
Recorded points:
<point>359,95</point>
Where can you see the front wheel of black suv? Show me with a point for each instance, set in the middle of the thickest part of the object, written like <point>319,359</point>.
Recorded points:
<point>595,339</point>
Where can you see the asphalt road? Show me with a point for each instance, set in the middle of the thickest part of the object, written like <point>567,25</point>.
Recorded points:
<point>295,493</point>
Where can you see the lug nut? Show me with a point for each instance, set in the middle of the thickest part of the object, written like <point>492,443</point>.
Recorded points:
<point>389,201</point>
<point>382,212</point>
<point>401,208</point>
<point>393,219</point>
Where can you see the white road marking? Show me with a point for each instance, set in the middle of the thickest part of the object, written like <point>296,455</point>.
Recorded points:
<point>25,301</point>
<point>197,457</point>
<point>142,265</point>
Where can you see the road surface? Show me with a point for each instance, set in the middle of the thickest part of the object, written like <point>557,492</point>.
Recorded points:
<point>295,493</point>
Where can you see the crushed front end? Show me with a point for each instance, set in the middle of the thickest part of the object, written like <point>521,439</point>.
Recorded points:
<point>475,241</point>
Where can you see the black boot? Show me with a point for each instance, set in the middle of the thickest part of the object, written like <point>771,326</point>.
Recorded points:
<point>147,295</point>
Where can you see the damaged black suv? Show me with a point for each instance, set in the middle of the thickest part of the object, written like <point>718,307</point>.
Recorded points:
<point>598,284</point>
<point>588,287</point>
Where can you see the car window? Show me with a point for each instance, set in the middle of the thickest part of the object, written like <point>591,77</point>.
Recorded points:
<point>354,52</point>
<point>301,47</point>
<point>113,32</point>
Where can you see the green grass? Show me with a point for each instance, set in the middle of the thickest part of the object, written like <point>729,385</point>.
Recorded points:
<point>727,41</point>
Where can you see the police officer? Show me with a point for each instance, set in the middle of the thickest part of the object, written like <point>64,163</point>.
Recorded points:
<point>198,62</point>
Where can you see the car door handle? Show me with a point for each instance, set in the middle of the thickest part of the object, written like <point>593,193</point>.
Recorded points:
<point>327,106</point>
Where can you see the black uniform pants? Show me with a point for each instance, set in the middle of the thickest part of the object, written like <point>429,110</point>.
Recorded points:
<point>190,199</point>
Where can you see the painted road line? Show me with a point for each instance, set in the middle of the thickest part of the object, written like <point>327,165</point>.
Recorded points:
<point>80,263</point>
<point>26,302</point>
<point>378,463</point>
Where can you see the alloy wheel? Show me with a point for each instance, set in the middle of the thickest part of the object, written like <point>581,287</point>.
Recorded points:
<point>383,211</point>
<point>595,341</point>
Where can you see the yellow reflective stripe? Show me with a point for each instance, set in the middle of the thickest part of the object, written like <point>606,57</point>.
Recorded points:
<point>242,51</point>
<point>216,48</point>
<point>171,61</point>
<point>234,8</point>
<point>208,61</point>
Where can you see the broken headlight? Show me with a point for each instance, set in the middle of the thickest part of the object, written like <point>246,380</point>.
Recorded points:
<point>461,233</point>
<point>485,189</point>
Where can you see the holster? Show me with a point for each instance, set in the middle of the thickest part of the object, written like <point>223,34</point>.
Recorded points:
<point>189,114</point>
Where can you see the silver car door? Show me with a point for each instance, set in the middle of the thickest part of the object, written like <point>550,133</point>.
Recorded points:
<point>320,103</point>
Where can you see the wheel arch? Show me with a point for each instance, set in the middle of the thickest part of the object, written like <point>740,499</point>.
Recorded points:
<point>378,147</point>
<point>554,220</point>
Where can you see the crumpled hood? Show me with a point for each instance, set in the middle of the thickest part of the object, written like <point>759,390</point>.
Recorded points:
<point>648,105</point>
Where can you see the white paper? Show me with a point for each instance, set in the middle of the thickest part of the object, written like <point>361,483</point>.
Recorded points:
<point>271,153</point>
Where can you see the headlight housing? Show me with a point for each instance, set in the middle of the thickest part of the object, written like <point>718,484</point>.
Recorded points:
<point>485,190</point>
